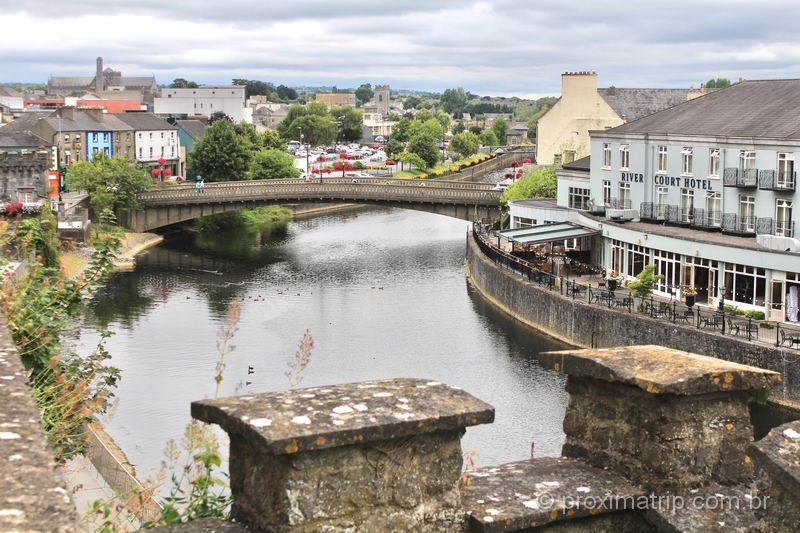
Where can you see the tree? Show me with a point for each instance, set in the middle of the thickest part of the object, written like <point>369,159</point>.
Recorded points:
<point>180,83</point>
<point>465,144</point>
<point>286,93</point>
<point>253,87</point>
<point>219,115</point>
<point>645,282</point>
<point>719,83</point>
<point>424,146</point>
<point>408,158</point>
<point>476,130</point>
<point>295,111</point>
<point>400,130</point>
<point>444,120</point>
<point>459,127</point>
<point>316,130</point>
<point>317,108</point>
<point>272,164</point>
<point>270,139</point>
<point>364,93</point>
<point>423,115</point>
<point>500,129</point>
<point>488,138</point>
<point>393,148</point>
<point>430,127</point>
<point>112,183</point>
<point>540,183</point>
<point>349,121</point>
<point>221,154</point>
<point>454,100</point>
<point>412,102</point>
<point>248,132</point>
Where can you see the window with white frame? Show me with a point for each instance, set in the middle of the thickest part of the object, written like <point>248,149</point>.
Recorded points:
<point>607,193</point>
<point>140,152</point>
<point>747,210</point>
<point>662,197</point>
<point>151,151</point>
<point>783,217</point>
<point>638,258</point>
<point>522,222</point>
<point>687,160</point>
<point>105,137</point>
<point>713,162</point>
<point>662,160</point>
<point>668,265</point>
<point>94,137</point>
<point>617,256</point>
<point>606,155</point>
<point>785,170</point>
<point>578,198</point>
<point>624,195</point>
<point>713,208</point>
<point>687,205</point>
<point>624,157</point>
<point>745,284</point>
<point>747,159</point>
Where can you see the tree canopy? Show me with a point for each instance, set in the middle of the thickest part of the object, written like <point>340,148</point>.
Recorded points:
<point>349,121</point>
<point>424,146</point>
<point>221,154</point>
<point>112,183</point>
<point>271,164</point>
<point>454,100</point>
<point>540,183</point>
<point>180,83</point>
<point>718,83</point>
<point>500,129</point>
<point>465,144</point>
<point>488,138</point>
<point>412,102</point>
<point>364,93</point>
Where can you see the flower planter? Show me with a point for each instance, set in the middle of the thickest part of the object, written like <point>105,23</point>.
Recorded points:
<point>689,299</point>
<point>612,284</point>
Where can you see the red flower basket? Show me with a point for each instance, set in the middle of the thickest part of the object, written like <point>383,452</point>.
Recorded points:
<point>327,170</point>
<point>526,161</point>
<point>155,172</point>
<point>161,161</point>
<point>166,172</point>
<point>348,166</point>
<point>321,158</point>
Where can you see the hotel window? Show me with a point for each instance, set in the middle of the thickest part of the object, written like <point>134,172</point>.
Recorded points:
<point>617,255</point>
<point>713,162</point>
<point>625,195</point>
<point>785,171</point>
<point>662,197</point>
<point>578,198</point>
<point>606,155</point>
<point>668,265</point>
<point>687,205</point>
<point>662,160</point>
<point>607,193</point>
<point>94,137</point>
<point>713,208</point>
<point>783,217</point>
<point>747,210</point>
<point>638,257</point>
<point>747,159</point>
<point>624,157</point>
<point>523,222</point>
<point>745,284</point>
<point>687,159</point>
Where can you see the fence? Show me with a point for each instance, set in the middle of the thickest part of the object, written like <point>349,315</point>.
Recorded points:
<point>621,299</point>
<point>138,499</point>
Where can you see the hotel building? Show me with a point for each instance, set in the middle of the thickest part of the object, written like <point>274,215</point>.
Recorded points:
<point>704,190</point>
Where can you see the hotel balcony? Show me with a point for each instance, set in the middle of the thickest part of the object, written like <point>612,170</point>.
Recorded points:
<point>706,220</point>
<point>744,179</point>
<point>679,216</point>
<point>620,209</point>
<point>734,224</point>
<point>771,180</point>
<point>780,228</point>
<point>616,203</point>
<point>652,212</point>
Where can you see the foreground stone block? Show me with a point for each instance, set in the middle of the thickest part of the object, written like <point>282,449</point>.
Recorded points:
<point>778,454</point>
<point>378,456</point>
<point>663,418</point>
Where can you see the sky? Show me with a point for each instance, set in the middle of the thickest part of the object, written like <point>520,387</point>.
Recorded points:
<point>494,47</point>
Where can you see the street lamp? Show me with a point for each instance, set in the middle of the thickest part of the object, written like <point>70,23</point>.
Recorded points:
<point>301,144</point>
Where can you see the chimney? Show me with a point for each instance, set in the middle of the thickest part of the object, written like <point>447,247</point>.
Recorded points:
<point>67,112</point>
<point>99,81</point>
<point>578,85</point>
<point>612,91</point>
<point>95,112</point>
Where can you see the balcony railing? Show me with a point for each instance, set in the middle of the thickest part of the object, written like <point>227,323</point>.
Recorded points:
<point>743,178</point>
<point>616,203</point>
<point>771,180</point>
<point>706,220</point>
<point>738,225</point>
<point>678,215</point>
<point>652,212</point>
<point>768,226</point>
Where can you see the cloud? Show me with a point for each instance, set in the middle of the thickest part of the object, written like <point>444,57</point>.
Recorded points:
<point>488,47</point>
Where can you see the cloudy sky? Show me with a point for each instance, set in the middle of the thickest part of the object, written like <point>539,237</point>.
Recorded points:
<point>499,47</point>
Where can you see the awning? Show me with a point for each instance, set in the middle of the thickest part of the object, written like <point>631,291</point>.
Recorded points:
<point>548,233</point>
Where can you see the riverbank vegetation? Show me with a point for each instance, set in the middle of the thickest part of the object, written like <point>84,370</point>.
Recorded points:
<point>250,220</point>
<point>540,183</point>
<point>111,182</point>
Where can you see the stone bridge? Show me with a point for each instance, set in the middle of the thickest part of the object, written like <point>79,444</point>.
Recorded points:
<point>173,204</point>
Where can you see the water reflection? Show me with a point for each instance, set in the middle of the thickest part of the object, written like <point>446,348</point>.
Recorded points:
<point>382,292</point>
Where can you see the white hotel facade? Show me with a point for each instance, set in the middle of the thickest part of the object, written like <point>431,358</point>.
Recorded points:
<point>706,191</point>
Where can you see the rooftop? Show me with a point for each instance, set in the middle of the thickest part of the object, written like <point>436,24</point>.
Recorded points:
<point>578,164</point>
<point>632,103</point>
<point>15,138</point>
<point>195,128</point>
<point>659,370</point>
<point>752,109</point>
<point>143,121</point>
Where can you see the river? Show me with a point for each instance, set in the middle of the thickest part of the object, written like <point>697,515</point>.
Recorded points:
<point>382,292</point>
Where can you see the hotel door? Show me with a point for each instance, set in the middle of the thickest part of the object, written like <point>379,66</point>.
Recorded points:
<point>776,304</point>
<point>712,288</point>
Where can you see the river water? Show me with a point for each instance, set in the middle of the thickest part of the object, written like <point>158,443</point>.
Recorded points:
<point>382,292</point>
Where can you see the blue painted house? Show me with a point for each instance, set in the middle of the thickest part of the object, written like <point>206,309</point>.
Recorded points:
<point>99,142</point>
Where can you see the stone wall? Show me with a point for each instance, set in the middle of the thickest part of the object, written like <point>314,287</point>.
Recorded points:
<point>587,325</point>
<point>23,170</point>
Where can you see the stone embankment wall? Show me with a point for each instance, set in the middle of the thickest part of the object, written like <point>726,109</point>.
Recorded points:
<point>587,325</point>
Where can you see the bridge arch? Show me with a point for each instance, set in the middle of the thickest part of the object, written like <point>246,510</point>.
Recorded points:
<point>174,204</point>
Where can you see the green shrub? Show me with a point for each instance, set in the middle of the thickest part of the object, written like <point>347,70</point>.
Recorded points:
<point>755,315</point>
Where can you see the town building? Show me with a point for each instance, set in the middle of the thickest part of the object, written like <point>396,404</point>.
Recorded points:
<point>704,191</point>
<point>183,103</point>
<point>11,99</point>
<point>381,101</point>
<point>154,140</point>
<point>189,132</point>
<point>103,80</point>
<point>517,134</point>
<point>336,99</point>
<point>376,125</point>
<point>562,133</point>
<point>269,115</point>
<point>24,175</point>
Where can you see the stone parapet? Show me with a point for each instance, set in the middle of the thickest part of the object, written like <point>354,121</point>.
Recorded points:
<point>372,456</point>
<point>665,419</point>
